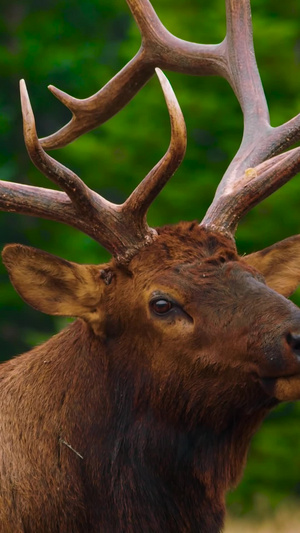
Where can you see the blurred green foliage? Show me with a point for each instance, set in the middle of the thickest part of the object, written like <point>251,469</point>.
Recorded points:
<point>78,46</point>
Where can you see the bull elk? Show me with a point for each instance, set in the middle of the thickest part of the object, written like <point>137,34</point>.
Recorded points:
<point>138,416</point>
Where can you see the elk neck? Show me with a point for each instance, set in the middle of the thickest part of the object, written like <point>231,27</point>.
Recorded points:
<point>133,431</point>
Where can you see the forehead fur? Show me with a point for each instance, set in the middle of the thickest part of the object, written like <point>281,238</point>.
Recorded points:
<point>185,242</point>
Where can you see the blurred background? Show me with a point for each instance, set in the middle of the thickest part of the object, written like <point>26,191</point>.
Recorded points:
<point>78,45</point>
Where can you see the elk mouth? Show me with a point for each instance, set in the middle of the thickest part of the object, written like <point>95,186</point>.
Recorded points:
<point>283,388</point>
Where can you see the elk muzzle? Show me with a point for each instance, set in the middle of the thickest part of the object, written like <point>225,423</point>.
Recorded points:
<point>287,387</point>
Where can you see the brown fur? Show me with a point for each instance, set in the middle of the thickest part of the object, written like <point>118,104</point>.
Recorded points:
<point>132,422</point>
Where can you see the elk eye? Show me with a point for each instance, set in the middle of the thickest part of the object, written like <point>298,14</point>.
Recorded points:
<point>161,306</point>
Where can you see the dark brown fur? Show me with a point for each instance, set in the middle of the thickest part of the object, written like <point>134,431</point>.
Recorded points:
<point>131,422</point>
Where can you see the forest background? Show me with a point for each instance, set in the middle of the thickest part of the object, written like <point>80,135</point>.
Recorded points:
<point>78,45</point>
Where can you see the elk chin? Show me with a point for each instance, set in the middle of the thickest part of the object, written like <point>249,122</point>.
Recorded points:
<point>285,389</point>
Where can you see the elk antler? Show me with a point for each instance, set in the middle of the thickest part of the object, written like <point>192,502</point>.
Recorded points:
<point>233,59</point>
<point>121,229</point>
<point>256,171</point>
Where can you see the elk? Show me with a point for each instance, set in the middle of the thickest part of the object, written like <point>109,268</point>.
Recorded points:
<point>138,416</point>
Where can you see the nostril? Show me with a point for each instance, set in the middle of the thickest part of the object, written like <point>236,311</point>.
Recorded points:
<point>293,339</point>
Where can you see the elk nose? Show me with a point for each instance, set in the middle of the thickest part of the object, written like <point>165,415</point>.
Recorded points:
<point>293,339</point>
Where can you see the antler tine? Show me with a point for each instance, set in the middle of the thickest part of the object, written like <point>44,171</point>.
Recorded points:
<point>142,197</point>
<point>75,188</point>
<point>243,72</point>
<point>97,109</point>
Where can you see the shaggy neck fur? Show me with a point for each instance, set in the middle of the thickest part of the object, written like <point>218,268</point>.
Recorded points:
<point>114,462</point>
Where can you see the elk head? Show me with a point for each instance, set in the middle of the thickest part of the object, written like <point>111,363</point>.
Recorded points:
<point>210,329</point>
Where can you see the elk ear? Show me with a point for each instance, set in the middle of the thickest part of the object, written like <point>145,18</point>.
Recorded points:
<point>279,264</point>
<point>53,285</point>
